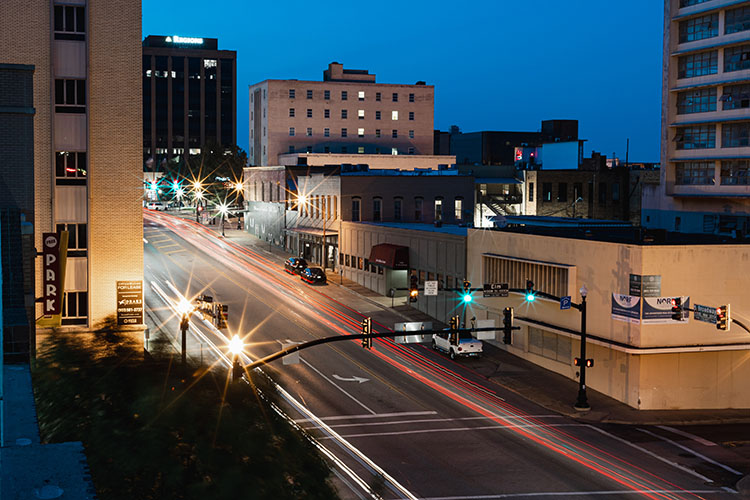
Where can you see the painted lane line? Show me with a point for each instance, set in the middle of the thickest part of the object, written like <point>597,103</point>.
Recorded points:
<point>453,429</point>
<point>353,378</point>
<point>337,386</point>
<point>652,454</point>
<point>693,452</point>
<point>377,415</point>
<point>697,439</point>
<point>414,421</point>
<point>582,494</point>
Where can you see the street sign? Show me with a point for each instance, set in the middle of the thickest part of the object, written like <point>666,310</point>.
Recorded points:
<point>565,302</point>
<point>645,286</point>
<point>704,313</point>
<point>430,288</point>
<point>495,290</point>
<point>129,303</point>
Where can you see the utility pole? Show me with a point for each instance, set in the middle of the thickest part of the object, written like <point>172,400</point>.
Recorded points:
<point>582,402</point>
<point>184,324</point>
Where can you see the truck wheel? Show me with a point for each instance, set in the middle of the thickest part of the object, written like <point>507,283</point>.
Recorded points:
<point>452,354</point>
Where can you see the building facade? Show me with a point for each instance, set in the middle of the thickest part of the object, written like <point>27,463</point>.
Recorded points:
<point>189,96</point>
<point>705,119</point>
<point>87,141</point>
<point>348,112</point>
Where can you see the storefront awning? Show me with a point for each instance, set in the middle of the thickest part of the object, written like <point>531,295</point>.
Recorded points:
<point>393,256</point>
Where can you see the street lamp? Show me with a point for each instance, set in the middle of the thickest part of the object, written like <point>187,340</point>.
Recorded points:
<point>185,309</point>
<point>198,198</point>
<point>582,402</point>
<point>223,211</point>
<point>235,347</point>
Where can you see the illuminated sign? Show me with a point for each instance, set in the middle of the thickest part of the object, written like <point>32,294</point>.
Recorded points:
<point>54,254</point>
<point>129,303</point>
<point>184,39</point>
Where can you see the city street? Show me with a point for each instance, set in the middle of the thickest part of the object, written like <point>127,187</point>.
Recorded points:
<point>431,427</point>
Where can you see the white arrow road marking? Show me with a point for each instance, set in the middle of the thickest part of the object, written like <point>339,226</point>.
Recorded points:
<point>351,379</point>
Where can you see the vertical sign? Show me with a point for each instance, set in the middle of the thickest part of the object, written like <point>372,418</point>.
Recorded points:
<point>129,303</point>
<point>645,286</point>
<point>54,253</point>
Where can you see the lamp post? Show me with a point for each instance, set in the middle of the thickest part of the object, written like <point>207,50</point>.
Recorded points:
<point>235,347</point>
<point>185,308</point>
<point>223,211</point>
<point>582,402</point>
<point>198,194</point>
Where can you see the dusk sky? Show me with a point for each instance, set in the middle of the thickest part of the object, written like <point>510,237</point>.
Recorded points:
<point>495,65</point>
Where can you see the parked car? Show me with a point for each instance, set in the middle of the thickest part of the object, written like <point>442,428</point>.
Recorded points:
<point>467,345</point>
<point>295,265</point>
<point>313,275</point>
<point>155,205</point>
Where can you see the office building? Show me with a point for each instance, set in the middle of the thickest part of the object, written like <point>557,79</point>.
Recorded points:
<point>87,142</point>
<point>347,112</point>
<point>705,148</point>
<point>189,96</point>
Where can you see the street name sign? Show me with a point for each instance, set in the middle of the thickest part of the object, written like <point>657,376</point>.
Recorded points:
<point>495,290</point>
<point>704,313</point>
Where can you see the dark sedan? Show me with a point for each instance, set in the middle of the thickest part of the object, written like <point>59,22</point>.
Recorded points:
<point>295,265</point>
<point>313,275</point>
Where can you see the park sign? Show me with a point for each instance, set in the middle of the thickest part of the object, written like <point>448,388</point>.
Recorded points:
<point>54,257</point>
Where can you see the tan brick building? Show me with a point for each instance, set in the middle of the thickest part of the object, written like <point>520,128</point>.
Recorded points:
<point>345,113</point>
<point>87,140</point>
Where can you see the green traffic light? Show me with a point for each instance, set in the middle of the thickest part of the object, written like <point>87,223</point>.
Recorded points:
<point>530,297</point>
<point>468,298</point>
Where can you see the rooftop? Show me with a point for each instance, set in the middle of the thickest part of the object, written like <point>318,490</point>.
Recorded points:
<point>421,226</point>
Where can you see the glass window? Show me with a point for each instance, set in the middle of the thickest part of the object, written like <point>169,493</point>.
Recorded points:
<point>356,216</point>
<point>361,95</point>
<point>70,96</point>
<point>326,113</point>
<point>699,28</point>
<point>327,132</point>
<point>546,191</point>
<point>411,97</point>
<point>70,164</point>
<point>291,131</point>
<point>562,192</point>
<point>76,235</point>
<point>327,95</point>
<point>394,134</point>
<point>361,114</point>
<point>395,97</point>
<point>602,193</point>
<point>377,132</point>
<point>377,96</point>
<point>344,95</point>
<point>736,20</point>
<point>696,137</point>
<point>377,115</point>
<point>397,206</point>
<point>735,135</point>
<point>615,191</point>
<point>736,97</point>
<point>735,172</point>
<point>458,209</point>
<point>418,203</point>
<point>291,112</point>
<point>291,93</point>
<point>531,191</point>
<point>377,209</point>
<point>736,58</point>
<point>411,134</point>
<point>688,3</point>
<point>438,209</point>
<point>411,115</point>
<point>700,173</point>
<point>309,113</point>
<point>394,115</point>
<point>309,132</point>
<point>703,63</point>
<point>696,101</point>
<point>70,22</point>
<point>309,94</point>
<point>361,150</point>
<point>343,132</point>
<point>361,132</point>
<point>344,114</point>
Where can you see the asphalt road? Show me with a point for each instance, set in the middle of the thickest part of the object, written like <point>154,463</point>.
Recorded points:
<point>430,427</point>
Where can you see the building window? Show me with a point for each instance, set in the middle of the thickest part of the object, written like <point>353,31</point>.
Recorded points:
<point>394,134</point>
<point>361,132</point>
<point>69,164</point>
<point>361,114</point>
<point>458,204</point>
<point>291,93</point>
<point>70,96</point>
<point>395,97</point>
<point>438,209</point>
<point>615,191</point>
<point>562,192</point>
<point>77,233</point>
<point>736,20</point>
<point>291,131</point>
<point>327,95</point>
<point>531,191</point>
<point>361,95</point>
<point>736,58</point>
<point>70,22</point>
<point>602,193</point>
<point>410,150</point>
<point>361,150</point>
<point>344,95</point>
<point>344,114</point>
<point>377,132</point>
<point>703,63</point>
<point>394,151</point>
<point>377,209</point>
<point>377,96</point>
<point>736,97</point>
<point>695,173</point>
<point>309,94</point>
<point>326,149</point>
<point>411,97</point>
<point>735,135</point>
<point>75,305</point>
<point>394,115</point>
<point>309,132</point>
<point>327,132</point>
<point>411,134</point>
<point>418,204</point>
<point>326,113</point>
<point>699,28</point>
<point>397,206</point>
<point>735,172</point>
<point>343,132</point>
<point>356,216</point>
<point>291,112</point>
<point>291,149</point>
<point>546,191</point>
<point>688,3</point>
<point>343,149</point>
<point>309,113</point>
<point>411,115</point>
<point>696,137</point>
<point>696,101</point>
<point>377,115</point>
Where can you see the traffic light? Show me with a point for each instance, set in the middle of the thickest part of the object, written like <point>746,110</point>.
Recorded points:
<point>222,315</point>
<point>454,330</point>
<point>507,325</point>
<point>589,362</point>
<point>723,321</point>
<point>677,308</point>
<point>413,289</point>
<point>530,291</point>
<point>467,298</point>
<point>367,330</point>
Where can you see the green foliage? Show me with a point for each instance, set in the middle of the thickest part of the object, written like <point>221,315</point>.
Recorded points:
<point>150,435</point>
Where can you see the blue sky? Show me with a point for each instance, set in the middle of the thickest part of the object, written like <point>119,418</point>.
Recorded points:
<point>495,64</point>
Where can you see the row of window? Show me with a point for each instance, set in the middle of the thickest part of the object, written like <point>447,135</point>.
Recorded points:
<point>345,132</point>
<point>562,192</point>
<point>345,114</point>
<point>360,263</point>
<point>736,58</point>
<point>377,209</point>
<point>732,173</point>
<point>733,135</point>
<point>345,95</point>
<point>345,149</point>
<point>70,164</point>
<point>707,26</point>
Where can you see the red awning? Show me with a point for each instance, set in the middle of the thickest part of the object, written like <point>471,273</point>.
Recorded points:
<point>393,256</point>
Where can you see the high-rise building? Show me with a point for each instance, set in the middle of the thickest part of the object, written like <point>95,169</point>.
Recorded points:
<point>705,148</point>
<point>345,113</point>
<point>87,141</point>
<point>189,96</point>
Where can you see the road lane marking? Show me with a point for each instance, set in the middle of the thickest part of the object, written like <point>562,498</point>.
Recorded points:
<point>418,421</point>
<point>698,439</point>
<point>337,386</point>
<point>651,453</point>
<point>693,452</point>
<point>572,494</point>
<point>377,415</point>
<point>455,429</point>
<point>353,378</point>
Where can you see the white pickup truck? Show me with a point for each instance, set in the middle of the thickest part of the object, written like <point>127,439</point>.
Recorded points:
<point>467,345</point>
